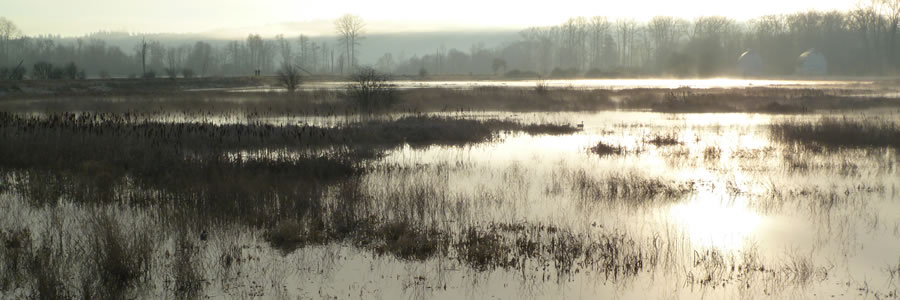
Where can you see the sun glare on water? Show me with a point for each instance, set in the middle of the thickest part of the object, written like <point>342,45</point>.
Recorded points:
<point>709,221</point>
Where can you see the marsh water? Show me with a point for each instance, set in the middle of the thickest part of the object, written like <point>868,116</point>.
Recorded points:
<point>828,219</point>
<point>724,208</point>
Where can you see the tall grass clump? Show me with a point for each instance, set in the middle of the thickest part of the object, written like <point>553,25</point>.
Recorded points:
<point>15,246</point>
<point>840,132</point>
<point>187,267</point>
<point>663,139</point>
<point>630,189</point>
<point>46,266</point>
<point>121,256</point>
<point>603,149</point>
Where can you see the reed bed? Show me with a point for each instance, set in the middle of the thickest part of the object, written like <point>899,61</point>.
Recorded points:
<point>840,133</point>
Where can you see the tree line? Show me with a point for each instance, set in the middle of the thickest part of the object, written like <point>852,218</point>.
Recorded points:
<point>94,57</point>
<point>860,41</point>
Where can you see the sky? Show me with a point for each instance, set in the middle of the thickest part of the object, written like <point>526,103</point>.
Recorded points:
<point>239,17</point>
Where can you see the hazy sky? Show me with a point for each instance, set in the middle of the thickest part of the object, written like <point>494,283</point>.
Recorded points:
<point>74,17</point>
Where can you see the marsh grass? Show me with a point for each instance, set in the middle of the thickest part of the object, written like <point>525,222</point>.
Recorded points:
<point>122,258</point>
<point>105,158</point>
<point>757,100</point>
<point>663,139</point>
<point>840,133</point>
<point>17,244</point>
<point>289,235</point>
<point>186,275</point>
<point>629,189</point>
<point>712,153</point>
<point>483,249</point>
<point>299,187</point>
<point>603,149</point>
<point>408,241</point>
<point>45,266</point>
<point>894,270</point>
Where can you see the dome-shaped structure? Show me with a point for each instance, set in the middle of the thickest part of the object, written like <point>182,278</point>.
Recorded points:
<point>812,63</point>
<point>750,64</point>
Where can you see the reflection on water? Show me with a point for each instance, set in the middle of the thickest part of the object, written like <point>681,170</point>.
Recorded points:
<point>723,212</point>
<point>750,202</point>
<point>710,221</point>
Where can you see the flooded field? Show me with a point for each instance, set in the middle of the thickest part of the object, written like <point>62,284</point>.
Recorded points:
<point>236,201</point>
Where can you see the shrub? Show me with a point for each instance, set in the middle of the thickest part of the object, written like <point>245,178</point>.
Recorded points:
<point>17,73</point>
<point>14,73</point>
<point>563,73</point>
<point>171,73</point>
<point>541,86</point>
<point>516,73</point>
<point>187,73</point>
<point>598,73</point>
<point>57,73</point>
<point>371,90</point>
<point>289,77</point>
<point>70,71</point>
<point>41,70</point>
<point>149,75</point>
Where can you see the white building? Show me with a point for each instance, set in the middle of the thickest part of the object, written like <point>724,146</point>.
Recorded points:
<point>750,64</point>
<point>812,63</point>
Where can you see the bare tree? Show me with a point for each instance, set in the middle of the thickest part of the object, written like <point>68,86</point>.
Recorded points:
<point>385,63</point>
<point>284,49</point>
<point>664,33</point>
<point>372,90</point>
<point>289,76</point>
<point>598,28</point>
<point>303,59</point>
<point>8,32</point>
<point>891,10</point>
<point>200,57</point>
<point>350,29</point>
<point>625,29</point>
<point>498,64</point>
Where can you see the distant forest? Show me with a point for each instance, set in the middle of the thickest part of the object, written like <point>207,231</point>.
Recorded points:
<point>861,41</point>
